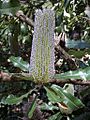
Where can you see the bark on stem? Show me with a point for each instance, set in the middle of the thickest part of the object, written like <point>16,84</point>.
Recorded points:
<point>17,77</point>
<point>24,18</point>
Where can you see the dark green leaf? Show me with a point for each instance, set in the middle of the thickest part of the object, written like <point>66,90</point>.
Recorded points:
<point>53,96</point>
<point>11,99</point>
<point>83,74</point>
<point>65,99</point>
<point>32,108</point>
<point>69,99</point>
<point>18,62</point>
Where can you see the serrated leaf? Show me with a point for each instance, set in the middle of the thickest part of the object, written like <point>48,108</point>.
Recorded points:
<point>68,100</point>
<point>53,96</point>
<point>83,74</point>
<point>18,62</point>
<point>11,99</point>
<point>32,108</point>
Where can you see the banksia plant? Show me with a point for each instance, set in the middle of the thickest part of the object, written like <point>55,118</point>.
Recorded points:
<point>42,54</point>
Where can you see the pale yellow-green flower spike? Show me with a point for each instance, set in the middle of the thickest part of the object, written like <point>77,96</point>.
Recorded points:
<point>42,54</point>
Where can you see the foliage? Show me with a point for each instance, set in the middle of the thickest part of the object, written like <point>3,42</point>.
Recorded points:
<point>32,108</point>
<point>78,74</point>
<point>12,100</point>
<point>67,102</point>
<point>18,62</point>
<point>15,46</point>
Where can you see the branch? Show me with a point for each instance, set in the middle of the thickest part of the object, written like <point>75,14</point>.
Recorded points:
<point>67,57</point>
<point>17,77</point>
<point>25,19</point>
<point>75,82</point>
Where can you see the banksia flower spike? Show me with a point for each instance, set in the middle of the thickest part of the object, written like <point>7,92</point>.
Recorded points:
<point>42,54</point>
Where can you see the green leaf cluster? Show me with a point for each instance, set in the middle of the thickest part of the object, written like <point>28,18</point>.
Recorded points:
<point>66,101</point>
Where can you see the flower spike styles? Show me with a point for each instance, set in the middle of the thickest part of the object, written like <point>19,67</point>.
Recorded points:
<point>42,54</point>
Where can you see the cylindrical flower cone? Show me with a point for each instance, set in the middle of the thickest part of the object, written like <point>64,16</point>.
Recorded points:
<point>42,54</point>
